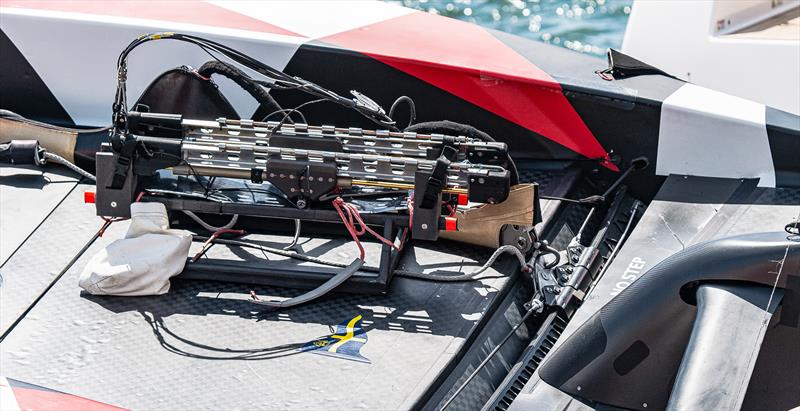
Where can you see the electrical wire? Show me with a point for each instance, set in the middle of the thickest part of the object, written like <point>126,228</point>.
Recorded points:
<point>281,252</point>
<point>506,249</point>
<point>359,102</point>
<point>293,110</point>
<point>210,227</point>
<point>296,238</point>
<point>412,115</point>
<point>285,110</point>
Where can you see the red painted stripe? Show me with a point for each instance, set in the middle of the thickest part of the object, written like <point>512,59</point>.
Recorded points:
<point>48,400</point>
<point>467,61</point>
<point>190,12</point>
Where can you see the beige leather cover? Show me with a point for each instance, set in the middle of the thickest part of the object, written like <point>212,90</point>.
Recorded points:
<point>55,141</point>
<point>481,225</point>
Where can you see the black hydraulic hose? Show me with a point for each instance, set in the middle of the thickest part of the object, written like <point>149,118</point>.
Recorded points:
<point>412,109</point>
<point>360,103</point>
<point>268,104</point>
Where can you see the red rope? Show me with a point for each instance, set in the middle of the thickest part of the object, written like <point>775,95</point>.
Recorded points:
<point>207,245</point>
<point>351,217</point>
<point>109,221</point>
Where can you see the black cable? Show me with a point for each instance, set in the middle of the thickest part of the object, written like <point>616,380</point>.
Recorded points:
<point>192,171</point>
<point>591,200</point>
<point>360,103</point>
<point>285,110</point>
<point>412,115</point>
<point>244,81</point>
<point>286,116</point>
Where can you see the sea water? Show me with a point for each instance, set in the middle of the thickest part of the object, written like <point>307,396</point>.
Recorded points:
<point>586,26</point>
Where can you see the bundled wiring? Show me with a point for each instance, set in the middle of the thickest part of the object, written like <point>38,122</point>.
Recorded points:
<point>279,80</point>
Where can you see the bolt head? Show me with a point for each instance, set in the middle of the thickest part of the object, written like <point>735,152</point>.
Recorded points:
<point>113,204</point>
<point>424,226</point>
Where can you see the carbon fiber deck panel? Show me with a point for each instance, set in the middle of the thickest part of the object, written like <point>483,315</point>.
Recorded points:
<point>686,211</point>
<point>31,269</point>
<point>204,346</point>
<point>27,197</point>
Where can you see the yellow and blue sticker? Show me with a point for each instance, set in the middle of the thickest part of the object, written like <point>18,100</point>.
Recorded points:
<point>345,343</point>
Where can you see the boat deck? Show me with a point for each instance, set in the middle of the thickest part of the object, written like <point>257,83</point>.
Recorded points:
<point>203,345</point>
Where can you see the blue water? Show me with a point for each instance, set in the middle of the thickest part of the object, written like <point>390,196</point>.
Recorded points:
<point>586,26</point>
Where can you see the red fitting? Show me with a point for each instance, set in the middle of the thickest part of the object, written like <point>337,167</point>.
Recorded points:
<point>450,224</point>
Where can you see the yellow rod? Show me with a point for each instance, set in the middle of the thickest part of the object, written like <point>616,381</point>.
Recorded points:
<point>403,186</point>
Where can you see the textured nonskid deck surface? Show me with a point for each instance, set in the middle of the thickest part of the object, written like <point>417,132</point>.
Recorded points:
<point>686,211</point>
<point>204,346</point>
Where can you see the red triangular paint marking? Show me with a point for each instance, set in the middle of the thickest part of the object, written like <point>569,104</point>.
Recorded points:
<point>48,400</point>
<point>467,61</point>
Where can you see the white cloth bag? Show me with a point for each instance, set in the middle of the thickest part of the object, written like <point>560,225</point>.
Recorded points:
<point>142,262</point>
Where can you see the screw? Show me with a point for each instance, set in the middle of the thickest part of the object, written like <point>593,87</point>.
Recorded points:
<point>579,388</point>
<point>113,204</point>
<point>556,290</point>
<point>301,203</point>
<point>424,226</point>
<point>644,405</point>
